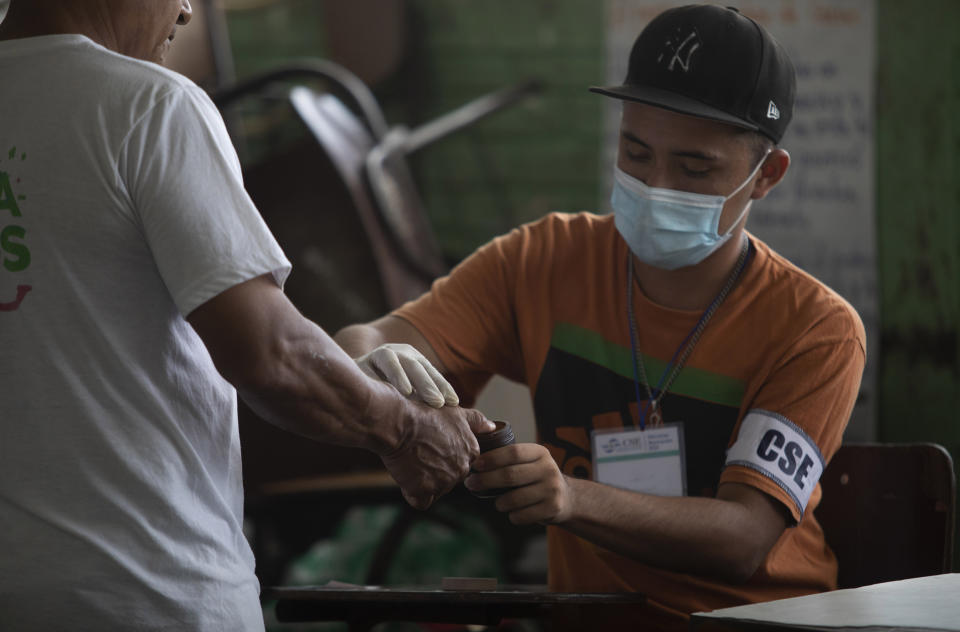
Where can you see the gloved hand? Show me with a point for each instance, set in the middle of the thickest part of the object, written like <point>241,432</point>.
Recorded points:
<point>405,368</point>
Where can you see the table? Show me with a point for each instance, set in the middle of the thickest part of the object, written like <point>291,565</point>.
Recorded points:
<point>362,607</point>
<point>921,603</point>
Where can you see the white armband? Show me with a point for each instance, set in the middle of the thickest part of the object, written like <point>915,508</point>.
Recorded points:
<point>777,448</point>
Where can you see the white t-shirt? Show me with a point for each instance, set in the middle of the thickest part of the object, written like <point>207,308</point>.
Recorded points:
<point>121,210</point>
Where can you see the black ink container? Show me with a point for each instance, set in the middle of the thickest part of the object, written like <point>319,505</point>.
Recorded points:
<point>500,437</point>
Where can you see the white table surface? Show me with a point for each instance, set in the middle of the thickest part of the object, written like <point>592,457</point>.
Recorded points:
<point>922,603</point>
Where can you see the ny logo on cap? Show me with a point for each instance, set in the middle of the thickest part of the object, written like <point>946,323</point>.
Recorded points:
<point>680,49</point>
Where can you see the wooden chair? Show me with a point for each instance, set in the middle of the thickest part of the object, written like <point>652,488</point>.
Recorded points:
<point>888,511</point>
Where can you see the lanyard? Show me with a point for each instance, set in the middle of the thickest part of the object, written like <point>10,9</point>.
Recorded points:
<point>686,345</point>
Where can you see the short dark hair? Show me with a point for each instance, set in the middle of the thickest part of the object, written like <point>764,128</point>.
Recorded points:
<point>759,144</point>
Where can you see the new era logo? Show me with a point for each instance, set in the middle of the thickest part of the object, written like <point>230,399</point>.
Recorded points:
<point>773,112</point>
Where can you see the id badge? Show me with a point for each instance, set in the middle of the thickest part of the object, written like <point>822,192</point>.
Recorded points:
<point>649,461</point>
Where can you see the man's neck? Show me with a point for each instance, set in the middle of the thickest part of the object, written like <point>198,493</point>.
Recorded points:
<point>694,287</point>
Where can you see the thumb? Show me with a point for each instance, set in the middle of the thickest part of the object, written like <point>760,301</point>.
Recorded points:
<point>477,422</point>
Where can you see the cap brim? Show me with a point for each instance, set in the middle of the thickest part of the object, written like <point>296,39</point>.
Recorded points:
<point>671,101</point>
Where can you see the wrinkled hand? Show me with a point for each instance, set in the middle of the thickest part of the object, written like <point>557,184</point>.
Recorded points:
<point>542,496</point>
<point>436,451</point>
<point>405,368</point>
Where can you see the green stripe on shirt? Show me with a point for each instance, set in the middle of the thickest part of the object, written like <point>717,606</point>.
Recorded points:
<point>691,382</point>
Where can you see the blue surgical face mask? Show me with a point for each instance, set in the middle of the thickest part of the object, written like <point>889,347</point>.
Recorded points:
<point>670,229</point>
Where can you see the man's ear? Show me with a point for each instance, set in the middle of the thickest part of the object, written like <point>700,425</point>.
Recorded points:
<point>771,173</point>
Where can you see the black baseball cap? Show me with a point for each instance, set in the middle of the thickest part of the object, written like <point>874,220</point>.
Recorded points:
<point>715,63</point>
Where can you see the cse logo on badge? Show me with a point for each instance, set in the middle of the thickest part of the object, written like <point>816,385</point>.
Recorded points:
<point>780,450</point>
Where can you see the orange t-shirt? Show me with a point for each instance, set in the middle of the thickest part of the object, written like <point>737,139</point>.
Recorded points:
<point>764,397</point>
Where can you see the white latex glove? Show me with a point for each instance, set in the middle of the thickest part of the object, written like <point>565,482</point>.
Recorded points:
<point>405,368</point>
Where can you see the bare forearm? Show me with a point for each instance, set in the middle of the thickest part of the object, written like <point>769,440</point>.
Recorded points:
<point>316,389</point>
<point>295,376</point>
<point>707,536</point>
<point>357,340</point>
<point>727,536</point>
<point>308,385</point>
<point>292,373</point>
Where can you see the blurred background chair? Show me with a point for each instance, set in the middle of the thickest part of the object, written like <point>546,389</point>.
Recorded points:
<point>373,163</point>
<point>888,511</point>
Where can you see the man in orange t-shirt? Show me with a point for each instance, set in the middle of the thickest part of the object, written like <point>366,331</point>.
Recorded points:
<point>689,384</point>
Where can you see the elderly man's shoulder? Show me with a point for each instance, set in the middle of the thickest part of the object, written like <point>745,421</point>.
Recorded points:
<point>142,73</point>
<point>122,77</point>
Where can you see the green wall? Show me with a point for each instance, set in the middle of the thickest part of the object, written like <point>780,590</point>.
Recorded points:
<point>918,223</point>
<point>525,162</point>
<point>544,155</point>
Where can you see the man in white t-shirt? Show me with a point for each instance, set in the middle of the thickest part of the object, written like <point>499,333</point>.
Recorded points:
<point>138,287</point>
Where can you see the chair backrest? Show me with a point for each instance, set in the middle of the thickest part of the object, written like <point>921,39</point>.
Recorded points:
<point>348,142</point>
<point>400,206</point>
<point>888,511</point>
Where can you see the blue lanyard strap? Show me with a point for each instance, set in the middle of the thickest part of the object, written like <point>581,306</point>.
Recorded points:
<point>686,346</point>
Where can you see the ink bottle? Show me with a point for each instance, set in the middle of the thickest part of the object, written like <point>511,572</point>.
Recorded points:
<point>500,437</point>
